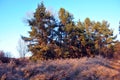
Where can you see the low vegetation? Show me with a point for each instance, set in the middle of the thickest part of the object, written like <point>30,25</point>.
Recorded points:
<point>96,68</point>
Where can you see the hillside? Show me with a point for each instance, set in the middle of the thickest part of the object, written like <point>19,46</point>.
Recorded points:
<point>97,68</point>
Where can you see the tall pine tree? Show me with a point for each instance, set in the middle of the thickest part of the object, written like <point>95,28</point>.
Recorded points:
<point>42,33</point>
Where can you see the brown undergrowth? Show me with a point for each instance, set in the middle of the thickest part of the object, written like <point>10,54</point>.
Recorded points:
<point>97,68</point>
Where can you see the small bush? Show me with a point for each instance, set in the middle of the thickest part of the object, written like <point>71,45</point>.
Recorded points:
<point>2,54</point>
<point>3,58</point>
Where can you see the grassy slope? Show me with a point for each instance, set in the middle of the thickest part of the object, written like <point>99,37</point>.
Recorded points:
<point>97,68</point>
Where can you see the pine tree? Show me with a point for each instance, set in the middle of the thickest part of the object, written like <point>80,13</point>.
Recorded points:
<point>42,33</point>
<point>100,37</point>
<point>67,31</point>
<point>50,38</point>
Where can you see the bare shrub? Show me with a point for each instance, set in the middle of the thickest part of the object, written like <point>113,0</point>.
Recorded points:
<point>22,48</point>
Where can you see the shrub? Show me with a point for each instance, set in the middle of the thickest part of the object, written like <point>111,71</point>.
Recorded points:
<point>2,54</point>
<point>117,50</point>
<point>3,58</point>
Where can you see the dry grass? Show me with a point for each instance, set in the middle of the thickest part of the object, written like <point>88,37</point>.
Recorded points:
<point>97,68</point>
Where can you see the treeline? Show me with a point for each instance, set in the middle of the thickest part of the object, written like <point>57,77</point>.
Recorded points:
<point>62,37</point>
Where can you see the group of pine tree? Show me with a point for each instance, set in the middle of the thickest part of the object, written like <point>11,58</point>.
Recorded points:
<point>62,37</point>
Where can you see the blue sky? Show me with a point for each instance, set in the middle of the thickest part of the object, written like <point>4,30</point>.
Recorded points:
<point>13,14</point>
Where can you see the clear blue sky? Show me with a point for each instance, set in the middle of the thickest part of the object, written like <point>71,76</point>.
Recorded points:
<point>14,12</point>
